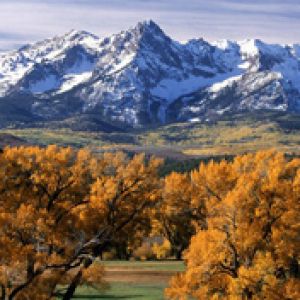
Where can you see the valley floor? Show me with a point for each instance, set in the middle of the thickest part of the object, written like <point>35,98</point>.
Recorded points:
<point>230,136</point>
<point>134,280</point>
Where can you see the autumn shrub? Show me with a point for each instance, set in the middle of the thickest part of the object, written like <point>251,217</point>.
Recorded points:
<point>144,252</point>
<point>162,250</point>
<point>109,255</point>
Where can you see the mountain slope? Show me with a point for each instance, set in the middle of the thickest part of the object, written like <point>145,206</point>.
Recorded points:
<point>142,77</point>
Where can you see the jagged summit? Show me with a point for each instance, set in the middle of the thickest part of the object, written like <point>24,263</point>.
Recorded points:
<point>74,33</point>
<point>148,25</point>
<point>141,76</point>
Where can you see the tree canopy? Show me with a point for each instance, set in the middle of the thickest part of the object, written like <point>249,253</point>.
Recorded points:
<point>237,223</point>
<point>59,209</point>
<point>250,248</point>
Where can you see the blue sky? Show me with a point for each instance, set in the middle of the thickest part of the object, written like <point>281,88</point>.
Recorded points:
<point>275,21</point>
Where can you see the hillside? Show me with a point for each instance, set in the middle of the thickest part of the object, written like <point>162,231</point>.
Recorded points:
<point>227,136</point>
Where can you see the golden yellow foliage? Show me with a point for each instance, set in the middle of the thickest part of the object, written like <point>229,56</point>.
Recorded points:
<point>250,249</point>
<point>60,209</point>
<point>163,250</point>
<point>174,215</point>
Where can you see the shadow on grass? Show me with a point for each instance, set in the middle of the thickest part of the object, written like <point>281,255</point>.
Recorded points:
<point>106,297</point>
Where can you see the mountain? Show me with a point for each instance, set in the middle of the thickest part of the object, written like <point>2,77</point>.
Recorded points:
<point>141,77</point>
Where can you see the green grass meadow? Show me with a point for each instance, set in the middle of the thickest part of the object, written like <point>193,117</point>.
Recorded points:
<point>133,280</point>
<point>121,290</point>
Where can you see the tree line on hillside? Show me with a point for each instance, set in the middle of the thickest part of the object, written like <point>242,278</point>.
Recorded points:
<point>236,223</point>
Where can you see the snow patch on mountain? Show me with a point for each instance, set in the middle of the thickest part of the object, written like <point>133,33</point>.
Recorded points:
<point>123,62</point>
<point>73,80</point>
<point>141,76</point>
<point>173,89</point>
<point>217,87</point>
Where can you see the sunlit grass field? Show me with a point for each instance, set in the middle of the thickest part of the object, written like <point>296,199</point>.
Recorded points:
<point>128,291</point>
<point>134,280</point>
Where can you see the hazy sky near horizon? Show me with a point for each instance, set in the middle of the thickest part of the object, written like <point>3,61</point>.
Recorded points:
<point>275,21</point>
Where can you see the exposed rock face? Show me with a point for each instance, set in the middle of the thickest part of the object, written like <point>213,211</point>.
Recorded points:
<point>141,77</point>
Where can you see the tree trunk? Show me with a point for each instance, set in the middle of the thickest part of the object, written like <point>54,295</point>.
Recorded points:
<point>76,280</point>
<point>178,255</point>
<point>248,294</point>
<point>3,292</point>
<point>294,268</point>
<point>30,268</point>
<point>74,284</point>
<point>177,252</point>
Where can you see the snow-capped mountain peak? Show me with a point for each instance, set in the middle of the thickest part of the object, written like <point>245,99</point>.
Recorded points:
<point>142,76</point>
<point>148,26</point>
